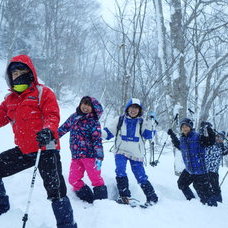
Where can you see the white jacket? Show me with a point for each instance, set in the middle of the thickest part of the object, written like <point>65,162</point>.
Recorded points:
<point>129,141</point>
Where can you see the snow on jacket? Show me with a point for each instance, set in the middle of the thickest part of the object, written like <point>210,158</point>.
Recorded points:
<point>213,157</point>
<point>30,112</point>
<point>85,133</point>
<point>129,141</point>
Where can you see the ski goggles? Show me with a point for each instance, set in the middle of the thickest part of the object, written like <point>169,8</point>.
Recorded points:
<point>17,66</point>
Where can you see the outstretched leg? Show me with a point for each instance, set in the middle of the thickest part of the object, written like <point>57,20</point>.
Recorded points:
<point>183,182</point>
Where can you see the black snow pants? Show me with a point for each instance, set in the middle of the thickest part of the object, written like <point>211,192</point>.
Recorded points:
<point>214,181</point>
<point>200,183</point>
<point>13,161</point>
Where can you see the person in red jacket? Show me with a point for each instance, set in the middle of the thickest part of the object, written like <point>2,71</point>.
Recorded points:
<point>33,112</point>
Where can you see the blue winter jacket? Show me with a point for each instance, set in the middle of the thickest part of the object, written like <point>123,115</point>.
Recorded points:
<point>193,153</point>
<point>192,148</point>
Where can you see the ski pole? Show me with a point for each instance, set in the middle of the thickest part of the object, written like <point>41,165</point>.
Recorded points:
<point>25,217</point>
<point>223,179</point>
<point>152,163</point>
<point>157,161</point>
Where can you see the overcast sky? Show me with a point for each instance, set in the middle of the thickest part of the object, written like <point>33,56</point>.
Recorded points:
<point>108,8</point>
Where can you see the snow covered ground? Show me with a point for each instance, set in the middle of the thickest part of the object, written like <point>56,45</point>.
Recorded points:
<point>172,210</point>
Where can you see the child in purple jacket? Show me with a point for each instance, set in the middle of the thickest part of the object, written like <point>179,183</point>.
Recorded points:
<point>86,148</point>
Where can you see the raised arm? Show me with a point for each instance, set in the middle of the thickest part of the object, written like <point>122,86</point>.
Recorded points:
<point>175,140</point>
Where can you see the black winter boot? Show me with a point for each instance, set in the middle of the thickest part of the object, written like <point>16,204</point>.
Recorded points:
<point>212,202</point>
<point>188,193</point>
<point>4,204</point>
<point>63,213</point>
<point>4,199</point>
<point>149,192</point>
<point>123,186</point>
<point>219,198</point>
<point>85,194</point>
<point>100,192</point>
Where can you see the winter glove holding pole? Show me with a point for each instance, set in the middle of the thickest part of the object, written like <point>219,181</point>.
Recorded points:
<point>44,137</point>
<point>173,136</point>
<point>170,132</point>
<point>152,116</point>
<point>207,134</point>
<point>204,128</point>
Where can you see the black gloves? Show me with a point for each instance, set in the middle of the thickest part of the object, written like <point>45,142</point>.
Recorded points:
<point>207,135</point>
<point>205,128</point>
<point>170,132</point>
<point>44,137</point>
<point>205,124</point>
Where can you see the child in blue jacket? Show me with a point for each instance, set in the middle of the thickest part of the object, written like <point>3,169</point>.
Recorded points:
<point>192,146</point>
<point>130,131</point>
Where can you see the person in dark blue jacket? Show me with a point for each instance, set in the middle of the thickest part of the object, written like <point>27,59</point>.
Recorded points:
<point>192,146</point>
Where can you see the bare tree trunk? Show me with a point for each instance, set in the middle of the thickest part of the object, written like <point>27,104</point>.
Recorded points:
<point>180,88</point>
<point>163,69</point>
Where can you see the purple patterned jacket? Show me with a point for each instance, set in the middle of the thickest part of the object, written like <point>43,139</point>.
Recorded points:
<point>85,133</point>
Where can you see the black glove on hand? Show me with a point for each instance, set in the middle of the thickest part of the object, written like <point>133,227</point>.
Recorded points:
<point>44,137</point>
<point>170,132</point>
<point>205,124</point>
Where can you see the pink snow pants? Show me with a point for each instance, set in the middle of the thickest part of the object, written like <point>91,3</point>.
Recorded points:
<point>77,170</point>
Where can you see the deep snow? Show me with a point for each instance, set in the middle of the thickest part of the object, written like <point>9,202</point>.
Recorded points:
<point>172,210</point>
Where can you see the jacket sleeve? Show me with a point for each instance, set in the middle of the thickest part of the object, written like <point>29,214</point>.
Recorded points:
<point>97,140</point>
<point>208,140</point>
<point>110,130</point>
<point>3,115</point>
<point>147,129</point>
<point>224,149</point>
<point>50,110</point>
<point>175,141</point>
<point>65,127</point>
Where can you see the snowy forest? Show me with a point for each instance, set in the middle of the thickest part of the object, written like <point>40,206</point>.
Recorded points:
<point>171,54</point>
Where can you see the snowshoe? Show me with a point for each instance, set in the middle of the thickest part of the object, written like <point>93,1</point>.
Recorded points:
<point>128,201</point>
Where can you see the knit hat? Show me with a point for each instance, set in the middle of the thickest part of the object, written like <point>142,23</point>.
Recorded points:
<point>187,122</point>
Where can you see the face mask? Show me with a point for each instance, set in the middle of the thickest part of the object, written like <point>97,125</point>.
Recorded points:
<point>22,83</point>
<point>20,88</point>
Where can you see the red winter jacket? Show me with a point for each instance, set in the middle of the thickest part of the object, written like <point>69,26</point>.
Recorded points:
<point>28,114</point>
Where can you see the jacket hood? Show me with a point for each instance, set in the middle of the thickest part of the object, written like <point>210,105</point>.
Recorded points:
<point>97,107</point>
<point>134,101</point>
<point>26,60</point>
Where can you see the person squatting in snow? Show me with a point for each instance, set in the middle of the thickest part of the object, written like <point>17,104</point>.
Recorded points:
<point>192,146</point>
<point>213,158</point>
<point>86,149</point>
<point>33,112</point>
<point>130,131</point>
